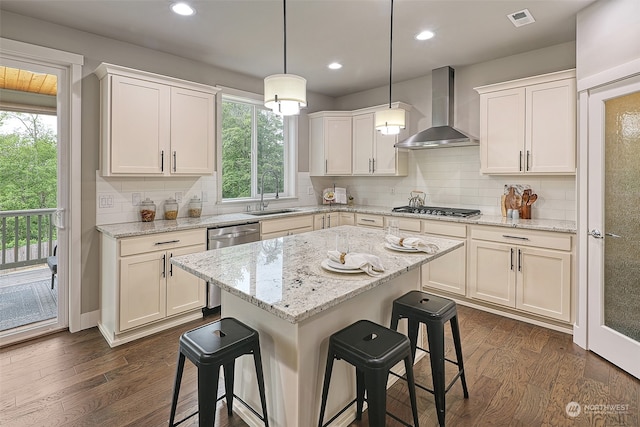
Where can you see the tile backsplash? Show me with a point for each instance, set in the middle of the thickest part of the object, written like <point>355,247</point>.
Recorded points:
<point>450,177</point>
<point>115,197</point>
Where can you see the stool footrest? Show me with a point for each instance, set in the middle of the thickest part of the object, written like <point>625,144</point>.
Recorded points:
<point>455,362</point>
<point>354,401</point>
<point>183,420</point>
<point>244,403</point>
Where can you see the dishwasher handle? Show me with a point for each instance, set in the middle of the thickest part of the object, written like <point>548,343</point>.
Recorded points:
<point>233,235</point>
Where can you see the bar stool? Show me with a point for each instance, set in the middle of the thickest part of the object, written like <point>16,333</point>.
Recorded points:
<point>434,311</point>
<point>209,347</point>
<point>373,350</point>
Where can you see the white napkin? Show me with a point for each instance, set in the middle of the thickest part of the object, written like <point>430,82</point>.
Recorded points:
<point>412,242</point>
<point>368,263</point>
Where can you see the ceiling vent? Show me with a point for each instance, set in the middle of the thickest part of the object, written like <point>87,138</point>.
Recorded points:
<point>521,18</point>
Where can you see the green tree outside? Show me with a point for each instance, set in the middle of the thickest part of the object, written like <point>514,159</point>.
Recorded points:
<point>237,127</point>
<point>28,171</point>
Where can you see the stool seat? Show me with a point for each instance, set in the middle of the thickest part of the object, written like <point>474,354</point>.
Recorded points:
<point>373,350</point>
<point>210,347</point>
<point>433,311</point>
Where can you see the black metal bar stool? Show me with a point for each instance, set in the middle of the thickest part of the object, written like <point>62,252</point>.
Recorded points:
<point>373,350</point>
<point>209,347</point>
<point>434,311</point>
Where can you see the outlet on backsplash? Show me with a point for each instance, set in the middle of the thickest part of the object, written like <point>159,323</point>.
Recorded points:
<point>136,198</point>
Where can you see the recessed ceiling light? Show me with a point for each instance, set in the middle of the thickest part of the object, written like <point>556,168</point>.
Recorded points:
<point>425,35</point>
<point>182,9</point>
<point>335,66</point>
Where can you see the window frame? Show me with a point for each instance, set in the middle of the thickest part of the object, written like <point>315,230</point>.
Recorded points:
<point>290,158</point>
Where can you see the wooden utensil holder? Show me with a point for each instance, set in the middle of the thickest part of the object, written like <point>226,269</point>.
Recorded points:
<point>525,212</point>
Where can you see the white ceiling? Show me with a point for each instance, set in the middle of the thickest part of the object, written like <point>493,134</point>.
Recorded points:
<point>246,35</point>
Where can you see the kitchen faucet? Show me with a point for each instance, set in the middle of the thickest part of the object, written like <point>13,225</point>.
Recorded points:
<point>262,204</point>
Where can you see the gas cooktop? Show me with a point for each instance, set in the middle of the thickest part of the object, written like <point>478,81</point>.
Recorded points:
<point>439,211</point>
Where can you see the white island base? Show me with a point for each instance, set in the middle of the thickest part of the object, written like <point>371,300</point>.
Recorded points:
<point>294,356</point>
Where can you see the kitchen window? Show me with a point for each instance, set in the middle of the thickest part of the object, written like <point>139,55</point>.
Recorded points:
<point>254,142</point>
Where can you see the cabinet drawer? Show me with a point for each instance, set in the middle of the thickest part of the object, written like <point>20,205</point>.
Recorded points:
<point>369,220</point>
<point>444,228</point>
<point>162,241</point>
<point>283,224</point>
<point>406,224</point>
<point>518,237</point>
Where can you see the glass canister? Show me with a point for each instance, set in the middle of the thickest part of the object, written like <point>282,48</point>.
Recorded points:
<point>170,208</point>
<point>147,210</point>
<point>195,207</point>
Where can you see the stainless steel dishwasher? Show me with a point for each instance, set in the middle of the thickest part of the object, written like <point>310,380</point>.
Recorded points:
<point>222,237</point>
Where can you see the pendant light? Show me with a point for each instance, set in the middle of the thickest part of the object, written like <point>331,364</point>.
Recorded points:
<point>391,120</point>
<point>285,93</point>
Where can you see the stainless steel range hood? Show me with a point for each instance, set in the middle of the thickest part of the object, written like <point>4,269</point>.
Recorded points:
<point>442,134</point>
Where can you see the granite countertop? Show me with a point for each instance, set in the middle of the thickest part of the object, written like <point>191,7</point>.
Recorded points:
<point>160,226</point>
<point>283,276</point>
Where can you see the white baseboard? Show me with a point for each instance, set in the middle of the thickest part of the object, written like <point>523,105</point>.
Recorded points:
<point>89,320</point>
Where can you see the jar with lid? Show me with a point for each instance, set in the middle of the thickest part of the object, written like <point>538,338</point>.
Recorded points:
<point>147,210</point>
<point>195,207</point>
<point>170,208</point>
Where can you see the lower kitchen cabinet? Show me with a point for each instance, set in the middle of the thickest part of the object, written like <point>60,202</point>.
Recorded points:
<point>347,218</point>
<point>141,292</point>
<point>449,272</point>
<point>326,220</point>
<point>272,228</point>
<point>525,270</point>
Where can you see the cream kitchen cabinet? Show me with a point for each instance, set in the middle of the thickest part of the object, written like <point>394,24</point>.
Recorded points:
<point>373,152</point>
<point>326,220</point>
<point>141,292</point>
<point>529,271</point>
<point>449,272</point>
<point>369,220</point>
<point>347,218</point>
<point>330,143</point>
<point>153,125</point>
<point>528,126</point>
<point>279,227</point>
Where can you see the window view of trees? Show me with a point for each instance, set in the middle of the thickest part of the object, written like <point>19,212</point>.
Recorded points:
<point>252,142</point>
<point>28,171</point>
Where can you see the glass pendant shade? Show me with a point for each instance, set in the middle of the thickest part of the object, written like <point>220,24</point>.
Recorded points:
<point>390,121</point>
<point>285,94</point>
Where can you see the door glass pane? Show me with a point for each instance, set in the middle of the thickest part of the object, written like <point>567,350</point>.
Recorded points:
<point>236,150</point>
<point>622,215</point>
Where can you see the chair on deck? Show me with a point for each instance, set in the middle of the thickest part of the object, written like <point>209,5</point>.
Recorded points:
<point>52,262</point>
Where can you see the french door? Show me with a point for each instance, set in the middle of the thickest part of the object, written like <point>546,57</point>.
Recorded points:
<point>614,223</point>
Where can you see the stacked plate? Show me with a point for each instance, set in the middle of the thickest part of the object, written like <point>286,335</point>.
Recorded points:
<point>336,267</point>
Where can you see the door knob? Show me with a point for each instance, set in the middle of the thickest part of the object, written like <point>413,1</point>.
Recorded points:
<point>596,233</point>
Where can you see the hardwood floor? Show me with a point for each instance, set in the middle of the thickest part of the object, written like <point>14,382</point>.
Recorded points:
<point>518,375</point>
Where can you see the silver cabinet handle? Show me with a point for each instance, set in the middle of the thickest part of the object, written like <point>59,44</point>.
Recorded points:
<point>373,165</point>
<point>329,221</point>
<point>367,220</point>
<point>167,242</point>
<point>170,265</point>
<point>162,161</point>
<point>520,162</point>
<point>519,260</point>
<point>506,236</point>
<point>369,165</point>
<point>613,235</point>
<point>511,258</point>
<point>596,234</point>
<point>323,222</point>
<point>174,161</point>
<point>164,265</point>
<point>326,167</point>
<point>528,153</point>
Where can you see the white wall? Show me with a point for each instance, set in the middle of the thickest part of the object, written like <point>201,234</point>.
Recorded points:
<point>451,176</point>
<point>608,35</point>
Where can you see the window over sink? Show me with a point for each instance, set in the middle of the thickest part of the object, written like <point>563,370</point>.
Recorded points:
<point>255,141</point>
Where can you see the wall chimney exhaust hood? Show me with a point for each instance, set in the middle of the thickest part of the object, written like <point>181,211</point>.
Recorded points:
<point>442,134</point>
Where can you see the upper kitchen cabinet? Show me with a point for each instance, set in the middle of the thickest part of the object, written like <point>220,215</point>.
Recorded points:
<point>153,125</point>
<point>330,143</point>
<point>373,152</point>
<point>528,126</point>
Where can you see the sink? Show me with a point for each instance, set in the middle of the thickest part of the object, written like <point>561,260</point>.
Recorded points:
<point>271,212</point>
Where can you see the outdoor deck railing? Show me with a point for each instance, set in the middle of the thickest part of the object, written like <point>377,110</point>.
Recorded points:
<point>27,237</point>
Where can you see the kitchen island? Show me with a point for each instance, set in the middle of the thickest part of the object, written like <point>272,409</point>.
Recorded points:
<point>278,287</point>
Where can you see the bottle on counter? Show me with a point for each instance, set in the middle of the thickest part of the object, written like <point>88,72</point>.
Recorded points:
<point>195,207</point>
<point>170,208</point>
<point>147,210</point>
